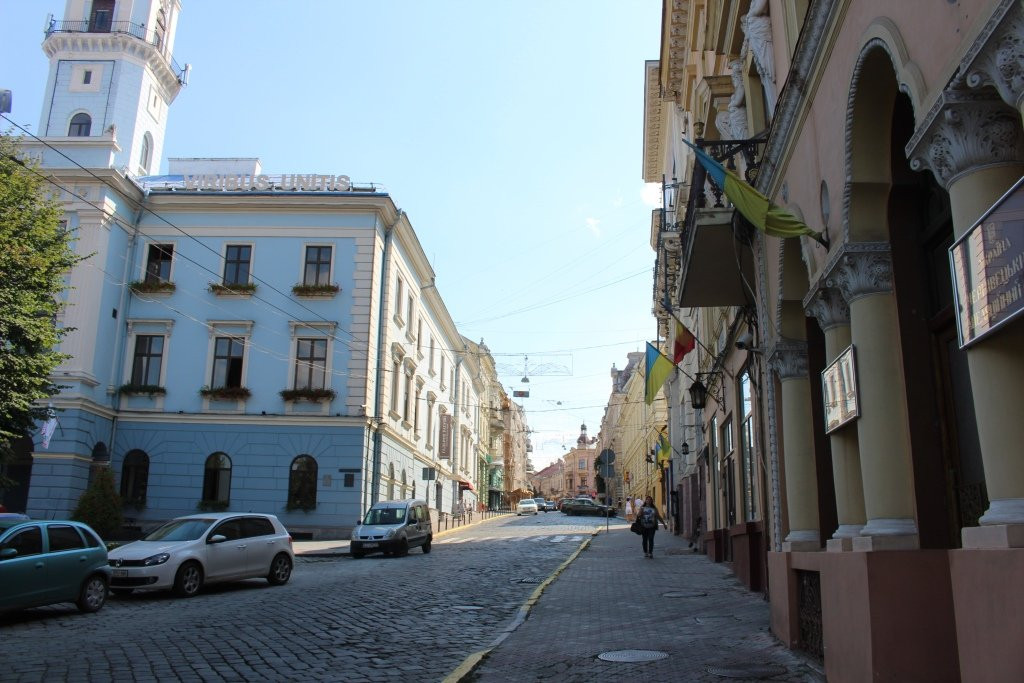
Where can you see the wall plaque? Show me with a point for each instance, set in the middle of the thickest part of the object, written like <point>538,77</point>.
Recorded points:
<point>839,390</point>
<point>987,265</point>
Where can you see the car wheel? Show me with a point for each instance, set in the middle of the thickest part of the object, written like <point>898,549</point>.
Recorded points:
<point>280,570</point>
<point>93,594</point>
<point>122,591</point>
<point>188,580</point>
<point>356,554</point>
<point>426,545</point>
<point>403,548</point>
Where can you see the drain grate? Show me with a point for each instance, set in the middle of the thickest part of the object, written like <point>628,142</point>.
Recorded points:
<point>683,594</point>
<point>630,656</point>
<point>747,671</point>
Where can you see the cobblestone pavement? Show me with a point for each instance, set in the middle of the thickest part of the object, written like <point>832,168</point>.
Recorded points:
<point>414,618</point>
<point>681,606</point>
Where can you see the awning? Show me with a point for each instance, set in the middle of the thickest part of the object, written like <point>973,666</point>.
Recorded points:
<point>466,486</point>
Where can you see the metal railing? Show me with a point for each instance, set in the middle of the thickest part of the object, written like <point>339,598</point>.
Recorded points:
<point>447,520</point>
<point>127,28</point>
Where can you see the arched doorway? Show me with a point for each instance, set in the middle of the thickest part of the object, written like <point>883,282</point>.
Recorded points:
<point>19,471</point>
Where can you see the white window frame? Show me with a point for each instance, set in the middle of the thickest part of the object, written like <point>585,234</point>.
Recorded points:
<point>303,330</point>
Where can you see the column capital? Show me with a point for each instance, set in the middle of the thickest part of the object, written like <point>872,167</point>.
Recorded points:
<point>966,131</point>
<point>861,269</point>
<point>827,305</point>
<point>789,359</point>
<point>997,57</point>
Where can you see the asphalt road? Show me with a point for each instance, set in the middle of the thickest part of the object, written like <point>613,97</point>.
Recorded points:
<point>412,618</point>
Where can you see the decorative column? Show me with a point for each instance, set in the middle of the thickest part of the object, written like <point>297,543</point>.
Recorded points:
<point>789,361</point>
<point>833,315</point>
<point>972,142</point>
<point>863,275</point>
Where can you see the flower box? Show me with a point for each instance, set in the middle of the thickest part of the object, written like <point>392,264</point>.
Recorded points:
<point>315,290</point>
<point>239,289</point>
<point>315,395</point>
<point>152,286</point>
<point>141,390</point>
<point>225,393</point>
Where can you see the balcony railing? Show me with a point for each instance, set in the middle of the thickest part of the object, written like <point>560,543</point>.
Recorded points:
<point>127,28</point>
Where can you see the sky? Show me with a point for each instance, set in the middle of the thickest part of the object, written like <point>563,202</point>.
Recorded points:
<point>511,133</point>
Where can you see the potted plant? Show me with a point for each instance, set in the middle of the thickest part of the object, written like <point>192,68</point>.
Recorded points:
<point>152,286</point>
<point>225,393</point>
<point>314,395</point>
<point>238,288</point>
<point>143,389</point>
<point>316,290</point>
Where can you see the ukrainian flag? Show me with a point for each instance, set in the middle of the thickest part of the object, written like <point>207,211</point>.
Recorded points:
<point>657,368</point>
<point>755,207</point>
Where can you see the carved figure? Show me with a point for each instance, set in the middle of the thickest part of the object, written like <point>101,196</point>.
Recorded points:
<point>757,27</point>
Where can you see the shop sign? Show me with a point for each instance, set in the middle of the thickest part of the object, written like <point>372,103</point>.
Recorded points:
<point>987,265</point>
<point>444,438</point>
<point>839,390</point>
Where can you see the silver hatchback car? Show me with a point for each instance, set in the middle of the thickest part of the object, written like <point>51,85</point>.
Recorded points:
<point>392,527</point>
<point>187,552</point>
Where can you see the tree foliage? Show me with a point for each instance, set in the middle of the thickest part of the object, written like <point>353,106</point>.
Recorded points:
<point>35,255</point>
<point>100,505</point>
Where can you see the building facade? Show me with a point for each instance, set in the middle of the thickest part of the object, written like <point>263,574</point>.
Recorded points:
<point>882,359</point>
<point>241,340</point>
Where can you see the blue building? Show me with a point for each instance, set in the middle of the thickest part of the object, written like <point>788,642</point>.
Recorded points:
<point>240,340</point>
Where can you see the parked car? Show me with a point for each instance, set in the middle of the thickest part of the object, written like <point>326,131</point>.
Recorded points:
<point>527,506</point>
<point>188,552</point>
<point>561,504</point>
<point>550,506</point>
<point>46,562</point>
<point>585,506</point>
<point>393,527</point>
<point>542,505</point>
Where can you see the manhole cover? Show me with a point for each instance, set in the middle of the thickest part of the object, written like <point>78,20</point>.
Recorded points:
<point>629,656</point>
<point>467,608</point>
<point>747,670</point>
<point>683,594</point>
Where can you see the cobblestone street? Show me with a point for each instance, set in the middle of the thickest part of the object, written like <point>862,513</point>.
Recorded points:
<point>380,618</point>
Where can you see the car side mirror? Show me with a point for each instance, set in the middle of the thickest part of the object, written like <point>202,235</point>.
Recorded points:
<point>8,553</point>
<point>217,538</point>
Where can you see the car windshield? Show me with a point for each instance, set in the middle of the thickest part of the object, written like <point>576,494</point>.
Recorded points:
<point>384,516</point>
<point>179,530</point>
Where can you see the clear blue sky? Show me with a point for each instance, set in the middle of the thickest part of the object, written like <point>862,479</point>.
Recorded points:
<point>510,132</point>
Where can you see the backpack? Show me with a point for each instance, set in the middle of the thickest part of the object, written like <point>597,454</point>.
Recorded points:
<point>647,518</point>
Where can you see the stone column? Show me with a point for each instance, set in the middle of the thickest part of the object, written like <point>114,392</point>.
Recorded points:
<point>789,361</point>
<point>973,143</point>
<point>833,315</point>
<point>863,274</point>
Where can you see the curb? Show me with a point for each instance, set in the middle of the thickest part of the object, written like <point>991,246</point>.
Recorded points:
<point>470,663</point>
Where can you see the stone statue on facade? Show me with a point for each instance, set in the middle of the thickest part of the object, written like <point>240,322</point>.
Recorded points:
<point>757,27</point>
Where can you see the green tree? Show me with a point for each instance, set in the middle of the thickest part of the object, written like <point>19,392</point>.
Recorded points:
<point>35,254</point>
<point>100,505</point>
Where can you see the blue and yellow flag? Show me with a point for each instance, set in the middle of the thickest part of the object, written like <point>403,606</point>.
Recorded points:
<point>663,449</point>
<point>755,207</point>
<point>657,368</point>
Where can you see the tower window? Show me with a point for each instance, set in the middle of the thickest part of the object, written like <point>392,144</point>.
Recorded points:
<point>81,125</point>
<point>145,153</point>
<point>87,77</point>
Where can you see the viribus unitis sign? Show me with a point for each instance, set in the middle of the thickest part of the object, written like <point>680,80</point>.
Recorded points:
<point>286,182</point>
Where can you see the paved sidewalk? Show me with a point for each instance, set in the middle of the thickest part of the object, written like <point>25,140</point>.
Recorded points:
<point>340,547</point>
<point>610,598</point>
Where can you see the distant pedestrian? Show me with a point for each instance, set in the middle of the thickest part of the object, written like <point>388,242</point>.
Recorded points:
<point>629,510</point>
<point>637,504</point>
<point>649,518</point>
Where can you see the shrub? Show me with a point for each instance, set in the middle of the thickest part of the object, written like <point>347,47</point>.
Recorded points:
<point>100,505</point>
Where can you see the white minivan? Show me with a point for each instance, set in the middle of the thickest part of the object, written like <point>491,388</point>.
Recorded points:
<point>392,527</point>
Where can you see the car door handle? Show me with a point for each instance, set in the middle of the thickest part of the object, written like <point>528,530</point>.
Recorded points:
<point>40,565</point>
<point>241,547</point>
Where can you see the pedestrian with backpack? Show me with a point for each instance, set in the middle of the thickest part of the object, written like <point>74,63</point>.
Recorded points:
<point>648,516</point>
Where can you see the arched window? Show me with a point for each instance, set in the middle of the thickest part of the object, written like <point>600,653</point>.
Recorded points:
<point>403,483</point>
<point>217,479</point>
<point>302,483</point>
<point>134,478</point>
<point>145,154</point>
<point>81,125</point>
<point>391,481</point>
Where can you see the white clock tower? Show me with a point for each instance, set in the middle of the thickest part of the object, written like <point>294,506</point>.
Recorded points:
<point>112,78</point>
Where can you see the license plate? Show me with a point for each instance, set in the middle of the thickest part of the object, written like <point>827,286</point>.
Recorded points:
<point>120,572</point>
<point>370,545</point>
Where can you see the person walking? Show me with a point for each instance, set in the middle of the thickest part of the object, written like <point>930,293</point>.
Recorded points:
<point>649,518</point>
<point>629,509</point>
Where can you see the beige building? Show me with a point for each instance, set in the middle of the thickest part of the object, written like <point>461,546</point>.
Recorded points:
<point>579,476</point>
<point>884,475</point>
<point>549,482</point>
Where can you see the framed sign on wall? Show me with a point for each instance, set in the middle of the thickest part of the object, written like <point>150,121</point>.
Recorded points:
<point>839,390</point>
